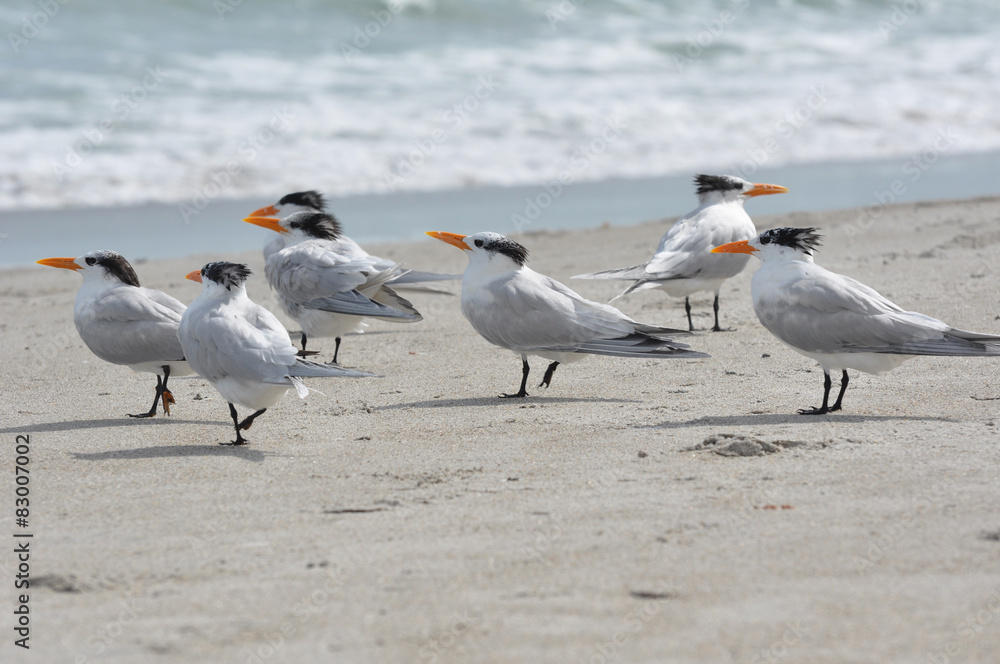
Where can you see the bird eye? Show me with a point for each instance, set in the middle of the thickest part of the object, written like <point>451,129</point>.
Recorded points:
<point>479,243</point>
<point>91,260</point>
<point>294,224</point>
<point>765,240</point>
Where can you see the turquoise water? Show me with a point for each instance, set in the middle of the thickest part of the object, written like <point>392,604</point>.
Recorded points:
<point>107,103</point>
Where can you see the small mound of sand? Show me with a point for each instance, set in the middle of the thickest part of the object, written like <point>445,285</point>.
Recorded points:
<point>738,445</point>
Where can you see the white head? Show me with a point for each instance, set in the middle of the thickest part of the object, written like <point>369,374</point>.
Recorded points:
<point>487,250</point>
<point>98,266</point>
<point>717,188</point>
<point>777,244</point>
<point>221,279</point>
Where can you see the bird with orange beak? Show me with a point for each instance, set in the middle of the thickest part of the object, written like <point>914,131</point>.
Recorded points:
<point>123,323</point>
<point>682,264</point>
<point>325,290</point>
<point>514,307</point>
<point>837,321</point>
<point>313,201</point>
<point>241,348</point>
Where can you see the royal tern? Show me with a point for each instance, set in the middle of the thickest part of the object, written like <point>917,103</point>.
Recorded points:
<point>837,321</point>
<point>326,291</point>
<point>682,264</point>
<point>313,201</point>
<point>240,347</point>
<point>514,307</point>
<point>123,323</point>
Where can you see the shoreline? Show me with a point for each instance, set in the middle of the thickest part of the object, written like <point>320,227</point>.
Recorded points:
<point>159,230</point>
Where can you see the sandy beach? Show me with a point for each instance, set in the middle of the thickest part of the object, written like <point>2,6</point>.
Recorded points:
<point>635,511</point>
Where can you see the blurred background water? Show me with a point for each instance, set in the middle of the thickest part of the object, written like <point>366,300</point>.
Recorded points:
<point>192,103</point>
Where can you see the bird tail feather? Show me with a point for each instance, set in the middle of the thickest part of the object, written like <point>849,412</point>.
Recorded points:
<point>306,369</point>
<point>624,273</point>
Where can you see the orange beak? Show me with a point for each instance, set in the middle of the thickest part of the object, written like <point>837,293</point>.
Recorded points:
<point>741,247</point>
<point>66,263</point>
<point>194,276</point>
<point>269,211</point>
<point>765,189</point>
<point>454,239</point>
<point>270,223</point>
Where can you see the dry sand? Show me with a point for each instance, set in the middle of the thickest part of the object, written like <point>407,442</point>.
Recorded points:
<point>417,518</point>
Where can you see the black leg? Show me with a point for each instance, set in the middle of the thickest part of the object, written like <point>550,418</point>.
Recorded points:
<point>167,395</point>
<point>822,410</point>
<point>715,306</point>
<point>304,352</point>
<point>240,440</point>
<point>336,351</point>
<point>161,391</point>
<point>687,308</point>
<point>524,381</point>
<point>843,388</point>
<point>548,374</point>
<point>248,422</point>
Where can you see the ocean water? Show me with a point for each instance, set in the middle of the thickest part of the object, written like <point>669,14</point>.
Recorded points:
<point>191,103</point>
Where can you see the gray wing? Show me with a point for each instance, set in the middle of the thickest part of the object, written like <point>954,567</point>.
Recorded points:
<point>529,311</point>
<point>250,345</point>
<point>313,275</point>
<point>684,251</point>
<point>130,325</point>
<point>313,269</point>
<point>825,312</point>
<point>355,304</point>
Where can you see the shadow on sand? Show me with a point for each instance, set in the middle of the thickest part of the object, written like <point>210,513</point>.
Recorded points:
<point>790,418</point>
<point>174,451</point>
<point>497,401</point>
<point>73,425</point>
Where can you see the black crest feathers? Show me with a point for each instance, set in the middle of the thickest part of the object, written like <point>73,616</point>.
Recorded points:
<point>501,244</point>
<point>226,274</point>
<point>115,265</point>
<point>709,183</point>
<point>803,239</point>
<point>319,225</point>
<point>309,199</point>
